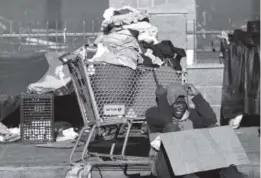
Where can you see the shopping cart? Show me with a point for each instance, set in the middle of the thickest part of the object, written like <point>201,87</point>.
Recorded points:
<point>114,96</point>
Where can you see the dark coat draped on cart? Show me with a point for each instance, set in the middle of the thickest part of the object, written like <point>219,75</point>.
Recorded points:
<point>241,79</point>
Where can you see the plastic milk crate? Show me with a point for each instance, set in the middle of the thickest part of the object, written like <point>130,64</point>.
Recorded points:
<point>37,118</point>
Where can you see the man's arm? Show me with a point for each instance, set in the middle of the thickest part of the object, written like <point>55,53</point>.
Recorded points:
<point>163,105</point>
<point>204,109</point>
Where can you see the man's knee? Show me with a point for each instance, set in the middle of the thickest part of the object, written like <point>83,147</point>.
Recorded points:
<point>213,125</point>
<point>151,115</point>
<point>172,127</point>
<point>151,112</point>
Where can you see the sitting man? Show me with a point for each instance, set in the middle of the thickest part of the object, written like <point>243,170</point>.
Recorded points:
<point>173,114</point>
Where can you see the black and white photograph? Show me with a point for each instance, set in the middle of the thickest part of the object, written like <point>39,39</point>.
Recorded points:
<point>130,88</point>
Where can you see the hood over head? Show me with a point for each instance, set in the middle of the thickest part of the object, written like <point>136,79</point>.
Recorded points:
<point>175,90</point>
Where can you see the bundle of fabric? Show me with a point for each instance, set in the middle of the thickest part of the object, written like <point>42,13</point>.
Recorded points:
<point>37,73</point>
<point>123,16</point>
<point>56,79</point>
<point>128,39</point>
<point>9,135</point>
<point>119,48</point>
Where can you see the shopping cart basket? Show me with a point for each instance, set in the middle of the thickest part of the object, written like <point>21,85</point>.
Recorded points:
<point>110,95</point>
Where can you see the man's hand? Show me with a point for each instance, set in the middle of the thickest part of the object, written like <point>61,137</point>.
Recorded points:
<point>192,91</point>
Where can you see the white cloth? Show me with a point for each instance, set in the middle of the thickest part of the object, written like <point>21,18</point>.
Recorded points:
<point>145,29</point>
<point>155,144</point>
<point>3,129</point>
<point>108,13</point>
<point>57,76</point>
<point>154,59</point>
<point>67,134</point>
<point>50,83</point>
<point>101,49</point>
<point>133,16</point>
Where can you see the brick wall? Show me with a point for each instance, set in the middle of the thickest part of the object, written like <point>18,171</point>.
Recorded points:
<point>209,82</point>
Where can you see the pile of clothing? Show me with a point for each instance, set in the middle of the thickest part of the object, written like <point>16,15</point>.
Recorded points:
<point>9,135</point>
<point>128,39</point>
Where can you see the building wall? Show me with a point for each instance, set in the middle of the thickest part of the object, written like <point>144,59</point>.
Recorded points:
<point>217,15</point>
<point>226,14</point>
<point>74,12</point>
<point>208,80</point>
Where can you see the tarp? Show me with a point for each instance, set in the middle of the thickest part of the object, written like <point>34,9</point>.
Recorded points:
<point>17,72</point>
<point>55,78</point>
<point>40,71</point>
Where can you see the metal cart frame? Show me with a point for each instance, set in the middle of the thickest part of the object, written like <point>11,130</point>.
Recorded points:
<point>84,80</point>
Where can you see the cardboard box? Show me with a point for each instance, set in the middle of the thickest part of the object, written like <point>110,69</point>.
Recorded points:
<point>199,150</point>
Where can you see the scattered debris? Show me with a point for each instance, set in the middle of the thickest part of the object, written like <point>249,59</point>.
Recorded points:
<point>9,135</point>
<point>68,134</point>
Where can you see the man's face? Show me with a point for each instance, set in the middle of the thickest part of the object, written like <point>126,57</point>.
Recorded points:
<point>179,107</point>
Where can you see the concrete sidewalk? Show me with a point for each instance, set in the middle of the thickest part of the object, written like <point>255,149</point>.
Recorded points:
<point>27,161</point>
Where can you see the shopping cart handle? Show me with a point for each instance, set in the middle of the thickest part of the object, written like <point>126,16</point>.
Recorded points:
<point>155,78</point>
<point>65,58</point>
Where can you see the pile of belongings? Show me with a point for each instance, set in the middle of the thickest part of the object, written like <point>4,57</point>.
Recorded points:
<point>128,39</point>
<point>56,79</point>
<point>241,78</point>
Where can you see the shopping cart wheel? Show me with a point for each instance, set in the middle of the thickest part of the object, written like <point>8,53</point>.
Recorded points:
<point>73,172</point>
<point>85,172</point>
